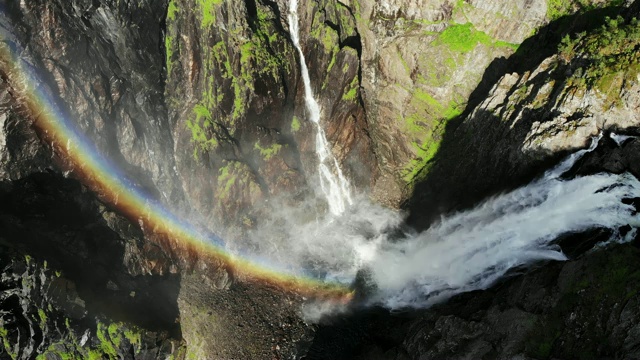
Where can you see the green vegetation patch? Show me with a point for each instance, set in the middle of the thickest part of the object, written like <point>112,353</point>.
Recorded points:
<point>609,54</point>
<point>463,37</point>
<point>106,344</point>
<point>295,124</point>
<point>235,172</point>
<point>559,8</point>
<point>169,40</point>
<point>268,152</point>
<point>110,343</point>
<point>427,124</point>
<point>172,10</point>
<point>351,92</point>
<point>230,68</point>
<point>200,135</point>
<point>6,343</point>
<point>208,11</point>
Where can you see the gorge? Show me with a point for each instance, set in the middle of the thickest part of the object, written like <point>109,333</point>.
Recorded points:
<point>210,179</point>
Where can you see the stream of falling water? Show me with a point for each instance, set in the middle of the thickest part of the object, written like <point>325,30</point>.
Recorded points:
<point>473,249</point>
<point>463,252</point>
<point>334,185</point>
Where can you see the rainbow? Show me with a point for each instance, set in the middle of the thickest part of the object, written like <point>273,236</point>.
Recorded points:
<point>74,153</point>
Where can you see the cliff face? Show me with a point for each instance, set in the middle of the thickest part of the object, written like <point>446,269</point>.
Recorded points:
<point>573,79</point>
<point>420,63</point>
<point>102,62</point>
<point>236,105</point>
<point>203,102</point>
<point>428,104</point>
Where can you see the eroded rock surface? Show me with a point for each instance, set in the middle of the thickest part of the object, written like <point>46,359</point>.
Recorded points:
<point>546,100</point>
<point>71,287</point>
<point>202,103</point>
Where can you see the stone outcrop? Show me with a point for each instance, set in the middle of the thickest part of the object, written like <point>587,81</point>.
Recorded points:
<point>71,287</point>
<point>420,62</point>
<point>547,99</point>
<point>236,105</point>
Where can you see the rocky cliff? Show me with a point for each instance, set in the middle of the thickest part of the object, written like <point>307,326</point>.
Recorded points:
<point>573,79</point>
<point>428,105</point>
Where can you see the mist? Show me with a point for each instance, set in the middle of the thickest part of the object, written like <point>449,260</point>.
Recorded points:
<point>470,250</point>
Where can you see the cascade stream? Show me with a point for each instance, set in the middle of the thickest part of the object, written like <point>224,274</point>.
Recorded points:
<point>334,185</point>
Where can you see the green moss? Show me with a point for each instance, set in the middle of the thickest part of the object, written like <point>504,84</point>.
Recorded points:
<point>226,179</point>
<point>351,92</point>
<point>43,318</point>
<point>609,54</point>
<point>106,345</point>
<point>332,63</point>
<point>232,173</point>
<point>295,124</point>
<point>168,46</point>
<point>200,133</point>
<point>426,123</point>
<point>558,8</point>
<point>207,9</point>
<point>327,36</point>
<point>512,46</point>
<point>269,152</point>
<point>172,10</point>
<point>114,334</point>
<point>94,355</point>
<point>4,334</point>
<point>463,37</point>
<point>60,351</point>
<point>134,337</point>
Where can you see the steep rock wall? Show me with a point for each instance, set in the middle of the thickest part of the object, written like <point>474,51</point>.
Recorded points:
<point>544,101</point>
<point>236,102</point>
<point>421,60</point>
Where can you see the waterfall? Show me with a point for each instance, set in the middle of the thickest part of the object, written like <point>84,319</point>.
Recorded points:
<point>467,251</point>
<point>334,185</point>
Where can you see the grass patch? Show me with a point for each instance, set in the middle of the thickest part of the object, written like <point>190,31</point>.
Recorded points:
<point>172,10</point>
<point>295,124</point>
<point>268,152</point>
<point>351,90</point>
<point>208,11</point>
<point>463,37</point>
<point>428,124</point>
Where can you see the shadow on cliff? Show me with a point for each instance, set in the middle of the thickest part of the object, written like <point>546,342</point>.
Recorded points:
<point>481,156</point>
<point>56,221</point>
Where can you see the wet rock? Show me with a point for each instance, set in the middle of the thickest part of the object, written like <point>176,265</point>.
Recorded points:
<point>240,321</point>
<point>41,314</point>
<point>65,287</point>
<point>585,307</point>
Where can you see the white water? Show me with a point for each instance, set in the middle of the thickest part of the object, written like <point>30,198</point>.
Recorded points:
<point>334,185</point>
<point>466,251</point>
<point>471,250</point>
<point>620,139</point>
